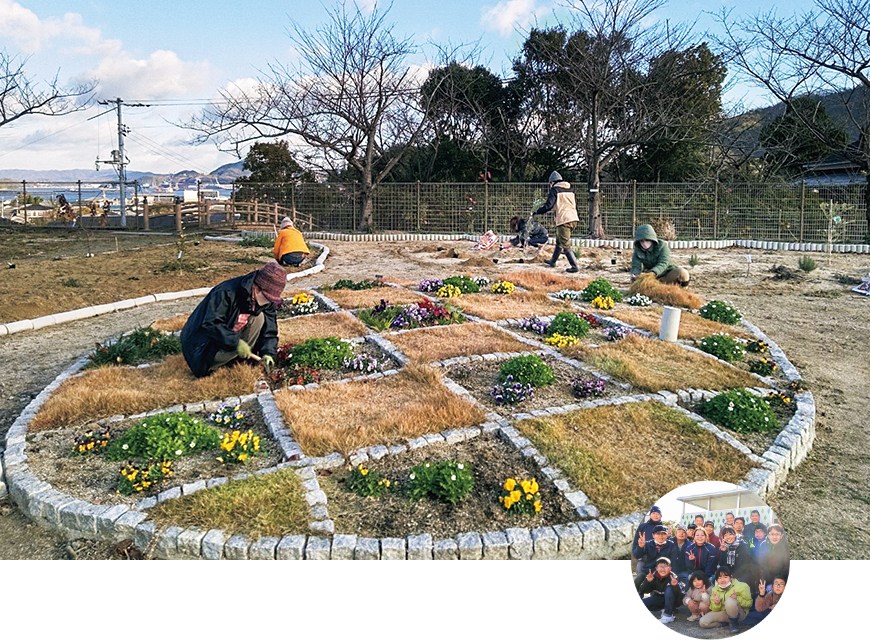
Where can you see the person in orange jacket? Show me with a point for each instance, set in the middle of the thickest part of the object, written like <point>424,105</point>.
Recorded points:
<point>290,248</point>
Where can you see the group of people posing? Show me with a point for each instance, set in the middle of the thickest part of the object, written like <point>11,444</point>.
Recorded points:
<point>733,577</point>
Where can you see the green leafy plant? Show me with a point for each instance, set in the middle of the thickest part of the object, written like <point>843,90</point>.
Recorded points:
<point>321,353</point>
<point>167,436</point>
<point>264,241</point>
<point>521,496</point>
<point>807,264</point>
<point>239,447</point>
<point>91,442</point>
<point>601,288</point>
<point>723,347</point>
<point>463,283</point>
<point>569,324</point>
<point>71,282</point>
<point>530,369</point>
<point>740,411</point>
<point>694,260</point>
<point>359,285</point>
<point>719,311</point>
<point>366,482</point>
<point>141,345</point>
<point>757,346</point>
<point>447,481</point>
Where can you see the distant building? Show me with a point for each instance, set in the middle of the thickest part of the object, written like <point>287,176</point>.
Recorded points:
<point>836,168</point>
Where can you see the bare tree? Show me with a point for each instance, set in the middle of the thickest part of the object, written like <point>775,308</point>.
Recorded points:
<point>820,51</point>
<point>20,95</point>
<point>628,81</point>
<point>349,100</point>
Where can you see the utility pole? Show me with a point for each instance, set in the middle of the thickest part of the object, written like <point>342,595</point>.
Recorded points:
<point>118,157</point>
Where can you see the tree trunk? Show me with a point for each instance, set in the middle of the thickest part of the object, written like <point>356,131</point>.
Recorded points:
<point>867,206</point>
<point>596,229</point>
<point>366,209</point>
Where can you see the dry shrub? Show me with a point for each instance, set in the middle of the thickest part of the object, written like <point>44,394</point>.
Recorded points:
<point>540,280</point>
<point>692,326</point>
<point>440,343</point>
<point>350,299</point>
<point>175,323</point>
<point>672,295</point>
<point>522,304</point>
<point>653,365</point>
<point>340,324</point>
<point>607,454</point>
<point>387,411</point>
<point>664,228</point>
<point>108,391</point>
<point>262,505</point>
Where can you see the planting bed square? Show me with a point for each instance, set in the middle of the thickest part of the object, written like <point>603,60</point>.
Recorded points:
<point>286,310</point>
<point>595,337</point>
<point>624,457</point>
<point>757,441</point>
<point>107,391</point>
<point>350,299</point>
<point>480,377</point>
<point>370,349</point>
<point>546,280</point>
<point>364,413</point>
<point>653,365</point>
<point>521,304</point>
<point>339,324</point>
<point>392,514</point>
<point>692,326</point>
<point>93,477</point>
<point>441,343</point>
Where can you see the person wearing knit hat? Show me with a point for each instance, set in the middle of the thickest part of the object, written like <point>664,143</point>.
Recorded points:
<point>646,529</point>
<point>661,589</point>
<point>236,320</point>
<point>290,248</point>
<point>561,201</point>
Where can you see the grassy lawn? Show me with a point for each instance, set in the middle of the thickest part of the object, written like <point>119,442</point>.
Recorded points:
<point>670,294</point>
<point>545,280</point>
<point>692,326</point>
<point>440,343</point>
<point>350,299</point>
<point>321,325</point>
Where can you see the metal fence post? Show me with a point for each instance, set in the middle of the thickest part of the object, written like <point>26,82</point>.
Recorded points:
<point>716,210</point>
<point>633,206</point>
<point>803,201</point>
<point>178,217</point>
<point>485,204</point>
<point>419,206</point>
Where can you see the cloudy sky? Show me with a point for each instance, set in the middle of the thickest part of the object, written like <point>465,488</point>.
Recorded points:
<point>177,55</point>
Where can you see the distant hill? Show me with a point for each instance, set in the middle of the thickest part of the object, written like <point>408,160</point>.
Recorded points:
<point>230,171</point>
<point>226,173</point>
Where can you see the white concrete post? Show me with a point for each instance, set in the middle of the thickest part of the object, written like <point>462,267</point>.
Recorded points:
<point>670,324</point>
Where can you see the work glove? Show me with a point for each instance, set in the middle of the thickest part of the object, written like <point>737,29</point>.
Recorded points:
<point>268,364</point>
<point>244,350</point>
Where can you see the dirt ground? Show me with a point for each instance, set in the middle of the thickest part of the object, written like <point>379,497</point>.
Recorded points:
<point>819,324</point>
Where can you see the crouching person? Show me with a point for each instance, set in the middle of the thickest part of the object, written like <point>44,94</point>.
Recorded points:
<point>730,601</point>
<point>698,596</point>
<point>664,588</point>
<point>237,319</point>
<point>529,232</point>
<point>650,552</point>
<point>654,255</point>
<point>290,248</point>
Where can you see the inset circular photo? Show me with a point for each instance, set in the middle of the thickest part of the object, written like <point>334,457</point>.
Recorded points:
<point>710,560</point>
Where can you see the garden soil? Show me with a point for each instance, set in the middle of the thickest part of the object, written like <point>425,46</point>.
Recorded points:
<point>820,325</point>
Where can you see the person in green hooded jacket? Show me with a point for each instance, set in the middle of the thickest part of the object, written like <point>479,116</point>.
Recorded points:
<point>652,254</point>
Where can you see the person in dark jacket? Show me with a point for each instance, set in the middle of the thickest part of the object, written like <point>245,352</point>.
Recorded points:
<point>237,319</point>
<point>652,254</point>
<point>754,521</point>
<point>560,200</point>
<point>529,232</point>
<point>701,555</point>
<point>712,538</point>
<point>646,528</point>
<point>680,564</point>
<point>776,561</point>
<point>664,588</point>
<point>651,551</point>
<point>734,554</point>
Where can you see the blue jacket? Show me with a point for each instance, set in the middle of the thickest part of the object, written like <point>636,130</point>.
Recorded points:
<point>758,549</point>
<point>645,528</point>
<point>705,558</point>
<point>680,562</point>
<point>651,553</point>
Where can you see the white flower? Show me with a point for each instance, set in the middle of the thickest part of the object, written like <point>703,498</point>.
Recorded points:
<point>427,465</point>
<point>193,444</point>
<point>453,477</point>
<point>412,476</point>
<point>461,466</point>
<point>178,452</point>
<point>125,446</point>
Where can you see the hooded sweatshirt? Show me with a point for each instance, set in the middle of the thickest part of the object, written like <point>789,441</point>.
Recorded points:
<point>656,259</point>
<point>744,598</point>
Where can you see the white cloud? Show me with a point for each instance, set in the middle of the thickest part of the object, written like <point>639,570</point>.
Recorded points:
<point>30,34</point>
<point>508,15</point>
<point>162,75</point>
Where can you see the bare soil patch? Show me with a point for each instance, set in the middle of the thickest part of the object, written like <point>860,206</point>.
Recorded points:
<point>394,515</point>
<point>451,341</point>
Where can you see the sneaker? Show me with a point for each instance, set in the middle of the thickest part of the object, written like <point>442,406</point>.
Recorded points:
<point>692,618</point>
<point>665,619</point>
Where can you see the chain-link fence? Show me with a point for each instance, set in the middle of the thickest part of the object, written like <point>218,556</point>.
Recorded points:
<point>708,210</point>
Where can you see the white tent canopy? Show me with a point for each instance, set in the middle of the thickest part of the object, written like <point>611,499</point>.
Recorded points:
<point>721,500</point>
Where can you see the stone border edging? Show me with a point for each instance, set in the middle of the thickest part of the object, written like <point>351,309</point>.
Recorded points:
<point>97,310</point>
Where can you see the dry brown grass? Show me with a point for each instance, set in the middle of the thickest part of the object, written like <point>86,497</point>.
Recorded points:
<point>350,299</point>
<point>321,325</point>
<point>454,340</point>
<point>262,505</point>
<point>626,457</point>
<point>692,326</point>
<point>670,294</point>
<point>386,411</point>
<point>175,323</point>
<point>522,304</point>
<point>653,365</point>
<point>541,280</point>
<point>108,391</point>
